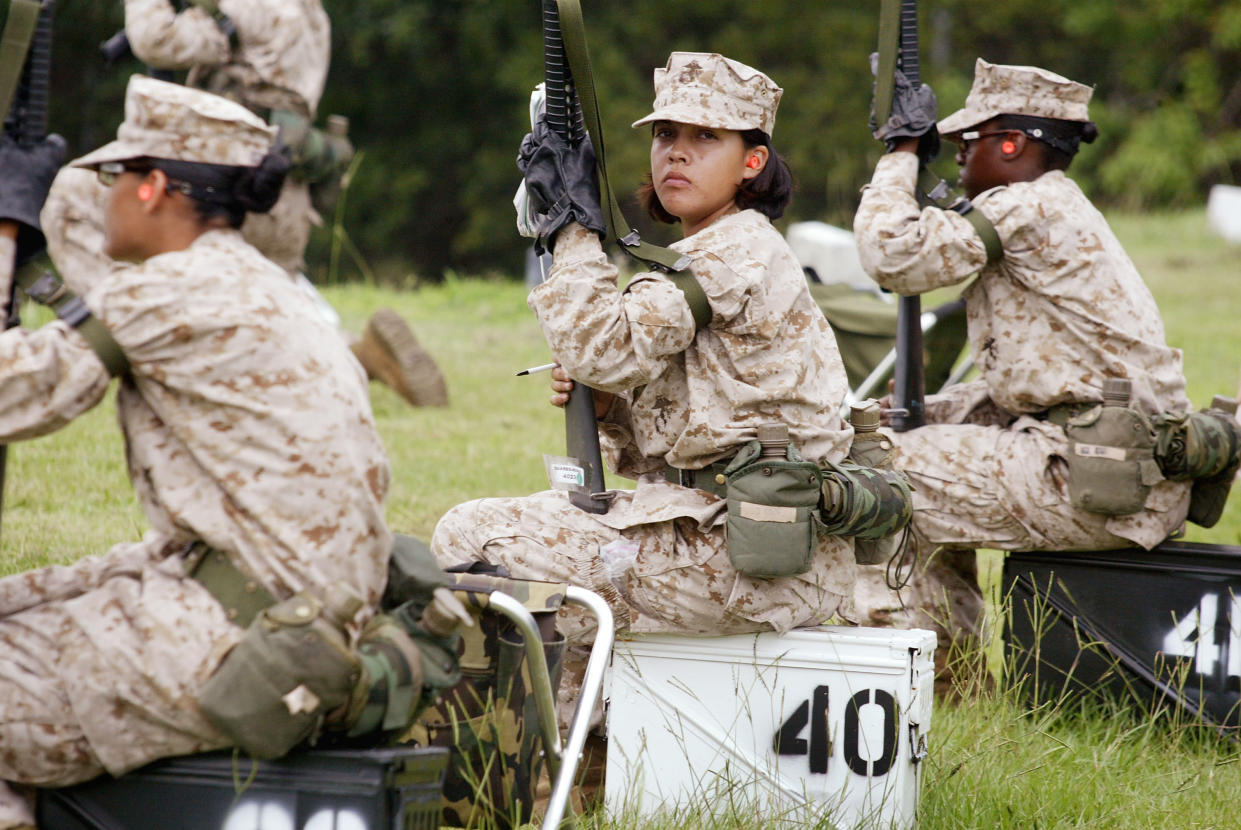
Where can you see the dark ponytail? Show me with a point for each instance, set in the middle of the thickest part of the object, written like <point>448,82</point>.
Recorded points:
<point>257,188</point>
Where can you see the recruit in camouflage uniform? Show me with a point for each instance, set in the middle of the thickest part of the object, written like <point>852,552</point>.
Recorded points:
<point>247,427</point>
<point>277,62</point>
<point>683,398</point>
<point>1063,310</point>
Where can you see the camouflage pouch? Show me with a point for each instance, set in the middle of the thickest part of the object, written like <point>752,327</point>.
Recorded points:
<point>873,449</point>
<point>488,720</point>
<point>1111,460</point>
<point>1205,447</point>
<point>772,511</point>
<point>864,502</point>
<point>292,667</point>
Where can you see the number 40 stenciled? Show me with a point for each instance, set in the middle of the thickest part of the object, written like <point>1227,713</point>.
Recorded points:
<point>1194,636</point>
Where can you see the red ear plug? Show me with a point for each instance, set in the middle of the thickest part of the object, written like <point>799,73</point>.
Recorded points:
<point>1008,147</point>
<point>145,192</point>
<point>753,162</point>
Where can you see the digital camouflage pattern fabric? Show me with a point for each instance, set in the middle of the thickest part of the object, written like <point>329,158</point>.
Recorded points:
<point>658,556</point>
<point>1017,90</point>
<point>247,426</point>
<point>170,121</point>
<point>1061,311</point>
<point>710,90</point>
<point>280,61</point>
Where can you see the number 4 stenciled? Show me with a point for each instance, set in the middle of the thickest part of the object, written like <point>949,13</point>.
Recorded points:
<point>1193,636</point>
<point>813,712</point>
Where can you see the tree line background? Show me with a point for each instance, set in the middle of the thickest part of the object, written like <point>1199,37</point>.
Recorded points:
<point>437,96</point>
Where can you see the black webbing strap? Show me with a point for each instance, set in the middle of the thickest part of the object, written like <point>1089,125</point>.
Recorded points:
<point>935,191</point>
<point>46,289</point>
<point>19,29</point>
<point>573,30</point>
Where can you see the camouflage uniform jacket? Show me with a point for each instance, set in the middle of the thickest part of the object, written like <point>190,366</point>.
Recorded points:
<point>247,425</point>
<point>690,398</point>
<point>1062,310</point>
<point>280,60</point>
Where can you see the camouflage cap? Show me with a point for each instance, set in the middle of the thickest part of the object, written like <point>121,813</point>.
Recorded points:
<point>171,121</point>
<point>1017,90</point>
<point>710,90</point>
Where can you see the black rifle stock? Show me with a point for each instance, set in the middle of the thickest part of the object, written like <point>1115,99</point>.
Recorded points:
<point>908,394</point>
<point>564,118</point>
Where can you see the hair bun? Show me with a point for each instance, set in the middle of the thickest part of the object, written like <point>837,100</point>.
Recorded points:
<point>1090,131</point>
<point>258,188</point>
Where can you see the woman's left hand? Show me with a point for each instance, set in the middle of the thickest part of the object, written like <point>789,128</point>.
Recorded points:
<point>562,387</point>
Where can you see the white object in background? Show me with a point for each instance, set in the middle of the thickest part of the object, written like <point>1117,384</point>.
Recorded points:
<point>831,253</point>
<point>817,726</point>
<point>1224,212</point>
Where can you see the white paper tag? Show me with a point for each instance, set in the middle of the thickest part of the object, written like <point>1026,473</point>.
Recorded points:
<point>1100,451</point>
<point>301,700</point>
<point>565,473</point>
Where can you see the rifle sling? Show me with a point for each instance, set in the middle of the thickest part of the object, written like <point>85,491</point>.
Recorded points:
<point>46,289</point>
<point>14,44</point>
<point>676,265</point>
<point>935,191</point>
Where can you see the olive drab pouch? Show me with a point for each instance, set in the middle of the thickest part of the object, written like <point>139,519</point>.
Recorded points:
<point>773,499</point>
<point>292,668</point>
<point>1111,461</point>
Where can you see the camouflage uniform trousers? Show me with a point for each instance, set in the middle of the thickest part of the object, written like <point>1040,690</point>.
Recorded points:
<point>680,582</point>
<point>990,487</point>
<point>92,682</point>
<point>73,220</point>
<point>38,715</point>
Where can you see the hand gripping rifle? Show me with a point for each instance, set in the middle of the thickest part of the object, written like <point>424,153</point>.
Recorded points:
<point>898,52</point>
<point>564,118</point>
<point>25,74</point>
<point>567,60</point>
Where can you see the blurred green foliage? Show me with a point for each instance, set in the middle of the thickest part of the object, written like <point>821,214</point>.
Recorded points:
<point>437,97</point>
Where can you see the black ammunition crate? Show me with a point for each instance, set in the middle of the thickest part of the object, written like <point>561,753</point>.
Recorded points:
<point>1162,625</point>
<point>396,788</point>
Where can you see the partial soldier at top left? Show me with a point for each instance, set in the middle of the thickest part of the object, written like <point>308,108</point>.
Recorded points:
<point>271,56</point>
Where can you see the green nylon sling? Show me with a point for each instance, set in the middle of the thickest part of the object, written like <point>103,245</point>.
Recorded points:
<point>44,288</point>
<point>573,30</point>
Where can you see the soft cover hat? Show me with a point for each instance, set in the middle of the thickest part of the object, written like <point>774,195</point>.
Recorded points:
<point>710,90</point>
<point>171,121</point>
<point>1017,90</point>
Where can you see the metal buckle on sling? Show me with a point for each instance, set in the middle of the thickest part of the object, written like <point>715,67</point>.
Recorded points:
<point>47,289</point>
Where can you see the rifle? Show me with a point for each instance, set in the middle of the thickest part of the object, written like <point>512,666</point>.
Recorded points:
<point>564,118</point>
<point>898,51</point>
<point>26,42</point>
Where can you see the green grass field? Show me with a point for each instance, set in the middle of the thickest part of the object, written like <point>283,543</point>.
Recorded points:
<point>991,763</point>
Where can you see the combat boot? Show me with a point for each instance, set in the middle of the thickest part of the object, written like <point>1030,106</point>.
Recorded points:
<point>391,355</point>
